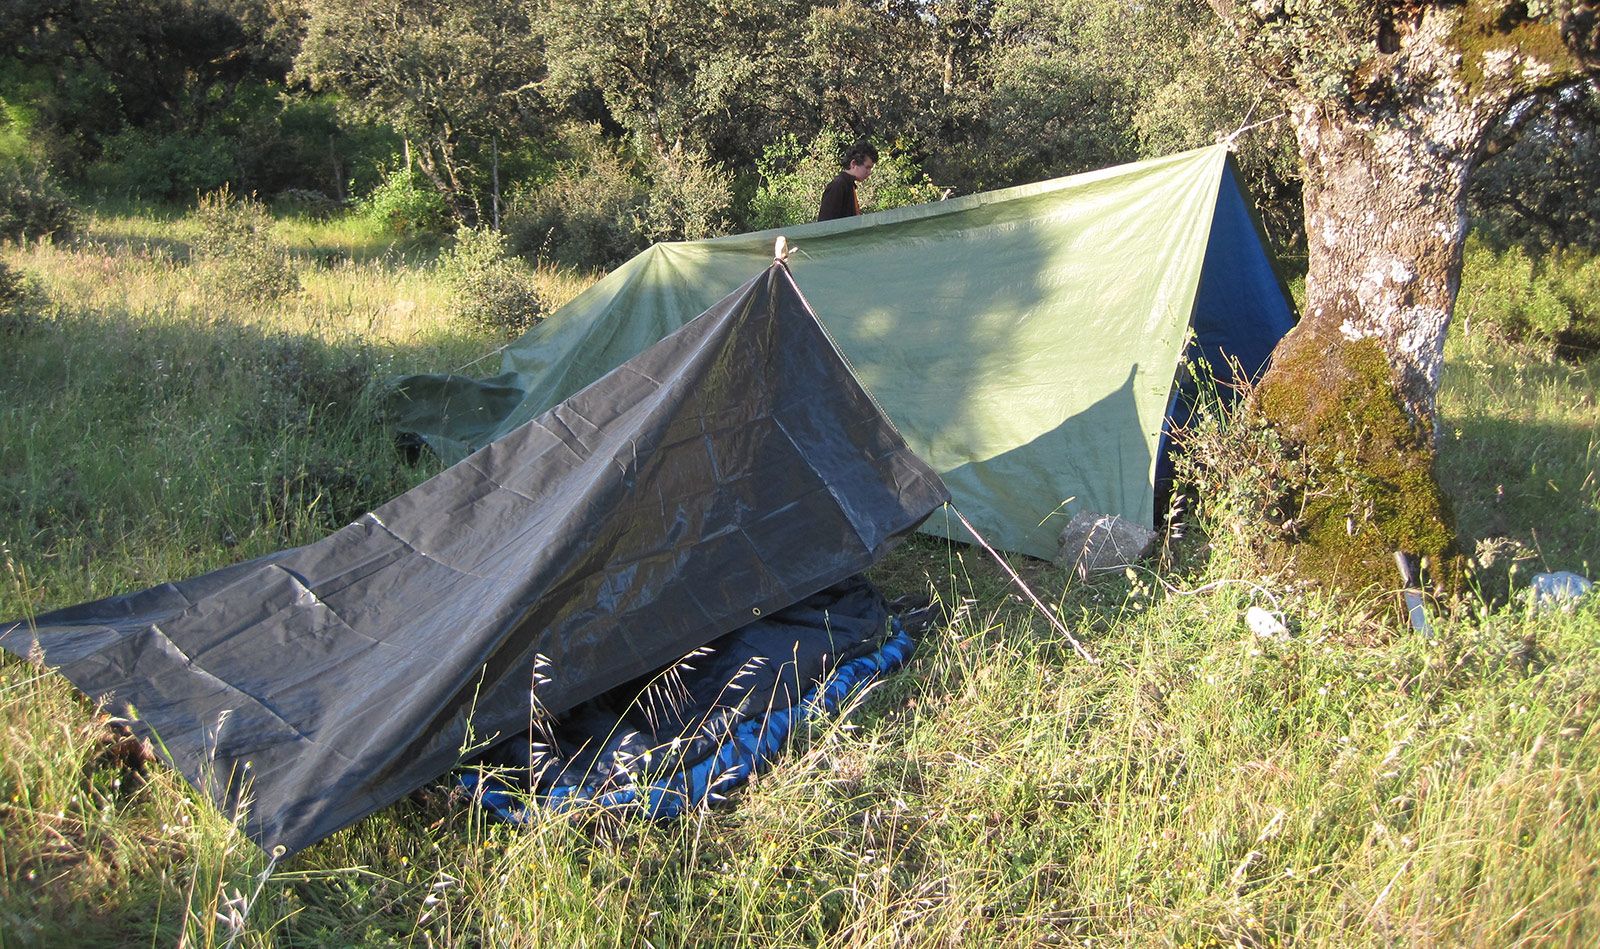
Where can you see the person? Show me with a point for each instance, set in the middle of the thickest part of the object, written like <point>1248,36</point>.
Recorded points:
<point>839,197</point>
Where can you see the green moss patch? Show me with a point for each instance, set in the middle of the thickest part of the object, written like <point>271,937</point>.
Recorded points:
<point>1491,28</point>
<point>1369,488</point>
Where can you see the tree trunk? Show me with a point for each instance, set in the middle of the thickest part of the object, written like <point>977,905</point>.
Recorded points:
<point>1354,385</point>
<point>1385,226</point>
<point>1391,104</point>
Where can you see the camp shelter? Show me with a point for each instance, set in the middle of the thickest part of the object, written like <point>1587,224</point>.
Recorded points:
<point>1025,342</point>
<point>726,474</point>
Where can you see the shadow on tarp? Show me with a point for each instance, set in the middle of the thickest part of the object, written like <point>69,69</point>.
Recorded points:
<point>1106,436</point>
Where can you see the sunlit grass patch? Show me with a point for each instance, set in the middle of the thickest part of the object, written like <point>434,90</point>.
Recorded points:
<point>1347,783</point>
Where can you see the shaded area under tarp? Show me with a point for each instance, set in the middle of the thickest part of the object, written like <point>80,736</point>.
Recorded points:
<point>729,471</point>
<point>1025,341</point>
<point>691,732</point>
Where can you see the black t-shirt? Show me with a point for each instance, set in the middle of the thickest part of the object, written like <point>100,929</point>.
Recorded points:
<point>839,198</point>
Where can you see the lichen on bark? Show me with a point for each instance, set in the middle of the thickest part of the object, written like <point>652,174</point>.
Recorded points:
<point>1510,44</point>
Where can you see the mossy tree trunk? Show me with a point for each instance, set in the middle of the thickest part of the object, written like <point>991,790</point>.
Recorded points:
<point>1385,225</point>
<point>1392,102</point>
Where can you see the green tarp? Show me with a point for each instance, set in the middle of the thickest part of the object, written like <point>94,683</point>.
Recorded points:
<point>1024,342</point>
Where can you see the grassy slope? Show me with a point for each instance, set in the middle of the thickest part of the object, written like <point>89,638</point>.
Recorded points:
<point>1350,785</point>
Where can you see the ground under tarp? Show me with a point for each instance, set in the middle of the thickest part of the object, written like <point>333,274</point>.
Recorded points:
<point>690,733</point>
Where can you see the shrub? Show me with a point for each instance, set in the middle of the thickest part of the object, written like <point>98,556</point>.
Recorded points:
<point>32,205</point>
<point>896,182</point>
<point>490,289</point>
<point>1552,302</point>
<point>15,314</point>
<point>141,163</point>
<point>586,214</point>
<point>690,198</point>
<point>404,206</point>
<point>235,247</point>
<point>1575,276</point>
<point>1230,470</point>
<point>792,179</point>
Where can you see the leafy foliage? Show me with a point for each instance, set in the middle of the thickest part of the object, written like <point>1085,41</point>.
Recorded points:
<point>401,206</point>
<point>977,93</point>
<point>489,289</point>
<point>1230,470</point>
<point>691,197</point>
<point>450,76</point>
<point>1539,189</point>
<point>17,294</point>
<point>1552,302</point>
<point>678,73</point>
<point>895,183</point>
<point>32,204</point>
<point>584,214</point>
<point>171,68</point>
<point>792,178</point>
<point>146,163</point>
<point>906,72</point>
<point>235,248</point>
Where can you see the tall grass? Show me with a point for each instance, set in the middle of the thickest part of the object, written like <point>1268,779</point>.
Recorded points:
<point>1347,784</point>
<point>1520,453</point>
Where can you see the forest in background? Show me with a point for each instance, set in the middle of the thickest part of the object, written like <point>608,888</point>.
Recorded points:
<point>584,131</point>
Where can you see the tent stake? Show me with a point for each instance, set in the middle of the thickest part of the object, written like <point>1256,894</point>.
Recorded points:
<point>1061,627</point>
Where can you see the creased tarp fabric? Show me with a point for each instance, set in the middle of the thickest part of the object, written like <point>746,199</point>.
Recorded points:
<point>1025,342</point>
<point>727,472</point>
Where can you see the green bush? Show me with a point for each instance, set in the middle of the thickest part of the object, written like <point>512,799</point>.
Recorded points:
<point>586,214</point>
<point>1230,470</point>
<point>147,164</point>
<point>490,289</point>
<point>32,205</point>
<point>793,176</point>
<point>896,182</point>
<point>235,248</point>
<point>404,206</point>
<point>1575,276</point>
<point>690,198</point>
<point>1552,302</point>
<point>15,314</point>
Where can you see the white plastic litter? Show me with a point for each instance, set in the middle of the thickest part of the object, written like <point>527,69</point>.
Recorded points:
<point>1558,590</point>
<point>1265,624</point>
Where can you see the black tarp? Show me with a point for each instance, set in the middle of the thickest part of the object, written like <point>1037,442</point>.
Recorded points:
<point>731,470</point>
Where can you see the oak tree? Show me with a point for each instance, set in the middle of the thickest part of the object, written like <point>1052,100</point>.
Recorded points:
<point>1392,103</point>
<point>451,76</point>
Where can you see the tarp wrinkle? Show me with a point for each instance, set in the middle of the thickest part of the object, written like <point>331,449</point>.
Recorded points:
<point>366,648</point>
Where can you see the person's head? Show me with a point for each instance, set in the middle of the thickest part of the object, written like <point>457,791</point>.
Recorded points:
<point>858,161</point>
